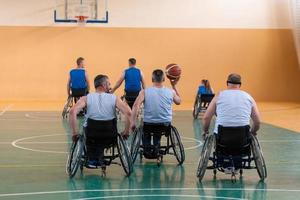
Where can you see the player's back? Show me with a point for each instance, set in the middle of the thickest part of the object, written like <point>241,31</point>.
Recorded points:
<point>133,79</point>
<point>78,79</point>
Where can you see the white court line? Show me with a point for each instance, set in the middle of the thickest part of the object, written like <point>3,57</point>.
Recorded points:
<point>151,189</point>
<point>16,143</point>
<point>278,141</point>
<point>5,109</point>
<point>160,195</point>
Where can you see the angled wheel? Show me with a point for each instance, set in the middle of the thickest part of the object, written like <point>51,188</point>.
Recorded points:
<point>135,143</point>
<point>124,155</point>
<point>75,157</point>
<point>177,145</point>
<point>67,107</point>
<point>204,156</point>
<point>196,108</point>
<point>258,158</point>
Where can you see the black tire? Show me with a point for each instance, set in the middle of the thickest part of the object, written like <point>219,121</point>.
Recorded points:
<point>196,110</point>
<point>177,145</point>
<point>204,156</point>
<point>67,107</point>
<point>124,156</point>
<point>258,158</point>
<point>75,157</point>
<point>135,143</point>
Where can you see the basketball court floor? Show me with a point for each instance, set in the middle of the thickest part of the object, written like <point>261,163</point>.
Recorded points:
<point>34,148</point>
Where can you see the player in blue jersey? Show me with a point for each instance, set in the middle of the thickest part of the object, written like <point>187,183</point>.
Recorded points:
<point>134,82</point>
<point>78,83</point>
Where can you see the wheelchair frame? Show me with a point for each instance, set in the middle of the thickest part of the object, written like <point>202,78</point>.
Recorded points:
<point>173,141</point>
<point>78,156</point>
<point>255,155</point>
<point>203,98</point>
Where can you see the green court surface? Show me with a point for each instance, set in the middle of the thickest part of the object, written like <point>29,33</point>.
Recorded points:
<point>34,146</point>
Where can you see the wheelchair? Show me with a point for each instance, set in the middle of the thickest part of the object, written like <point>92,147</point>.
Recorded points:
<point>78,156</point>
<point>173,144</point>
<point>201,103</point>
<point>72,99</point>
<point>234,150</point>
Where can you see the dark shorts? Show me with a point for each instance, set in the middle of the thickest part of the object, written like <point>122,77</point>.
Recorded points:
<point>79,92</point>
<point>100,135</point>
<point>130,97</point>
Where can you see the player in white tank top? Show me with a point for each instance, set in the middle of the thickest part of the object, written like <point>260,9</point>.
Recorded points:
<point>233,107</point>
<point>100,106</point>
<point>158,102</point>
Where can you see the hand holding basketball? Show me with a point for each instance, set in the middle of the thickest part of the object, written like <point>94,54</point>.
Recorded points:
<point>173,71</point>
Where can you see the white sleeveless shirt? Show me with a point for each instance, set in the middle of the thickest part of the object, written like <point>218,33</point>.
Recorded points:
<point>101,106</point>
<point>233,108</point>
<point>158,105</point>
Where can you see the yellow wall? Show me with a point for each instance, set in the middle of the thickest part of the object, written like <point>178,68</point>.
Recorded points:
<point>35,61</point>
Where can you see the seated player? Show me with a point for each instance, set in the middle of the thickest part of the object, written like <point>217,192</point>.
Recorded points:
<point>205,87</point>
<point>78,83</point>
<point>100,124</point>
<point>134,82</point>
<point>158,101</point>
<point>233,107</point>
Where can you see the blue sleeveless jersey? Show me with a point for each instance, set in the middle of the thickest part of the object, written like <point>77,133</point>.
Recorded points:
<point>203,90</point>
<point>78,80</point>
<point>133,79</point>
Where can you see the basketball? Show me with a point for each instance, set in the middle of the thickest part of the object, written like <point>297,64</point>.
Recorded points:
<point>173,71</point>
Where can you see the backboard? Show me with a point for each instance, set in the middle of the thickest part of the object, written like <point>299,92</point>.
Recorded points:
<point>74,11</point>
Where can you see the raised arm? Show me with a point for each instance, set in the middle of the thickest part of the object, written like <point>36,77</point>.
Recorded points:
<point>73,115</point>
<point>125,110</point>
<point>136,107</point>
<point>176,97</point>
<point>255,116</point>
<point>119,83</point>
<point>211,110</point>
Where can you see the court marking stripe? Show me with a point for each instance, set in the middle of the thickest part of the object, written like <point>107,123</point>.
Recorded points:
<point>148,189</point>
<point>5,109</point>
<point>14,144</point>
<point>185,141</point>
<point>161,195</point>
<point>29,166</point>
<point>18,141</point>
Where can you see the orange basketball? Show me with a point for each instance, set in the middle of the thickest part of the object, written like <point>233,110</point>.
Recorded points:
<point>173,71</point>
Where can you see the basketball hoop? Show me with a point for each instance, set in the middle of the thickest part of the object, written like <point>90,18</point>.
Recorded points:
<point>81,18</point>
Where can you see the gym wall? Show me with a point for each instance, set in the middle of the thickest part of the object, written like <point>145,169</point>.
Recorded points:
<point>208,38</point>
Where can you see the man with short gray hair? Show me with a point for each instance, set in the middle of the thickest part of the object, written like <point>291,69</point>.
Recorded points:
<point>233,107</point>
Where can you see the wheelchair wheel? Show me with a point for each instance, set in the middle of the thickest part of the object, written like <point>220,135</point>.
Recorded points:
<point>135,144</point>
<point>67,107</point>
<point>124,155</point>
<point>204,157</point>
<point>258,158</point>
<point>177,145</point>
<point>196,108</point>
<point>75,156</point>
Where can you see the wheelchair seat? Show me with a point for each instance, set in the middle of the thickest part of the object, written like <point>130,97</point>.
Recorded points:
<point>172,145</point>
<point>206,98</point>
<point>233,141</point>
<point>201,103</point>
<point>104,131</point>
<point>152,130</point>
<point>233,149</point>
<point>99,138</point>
